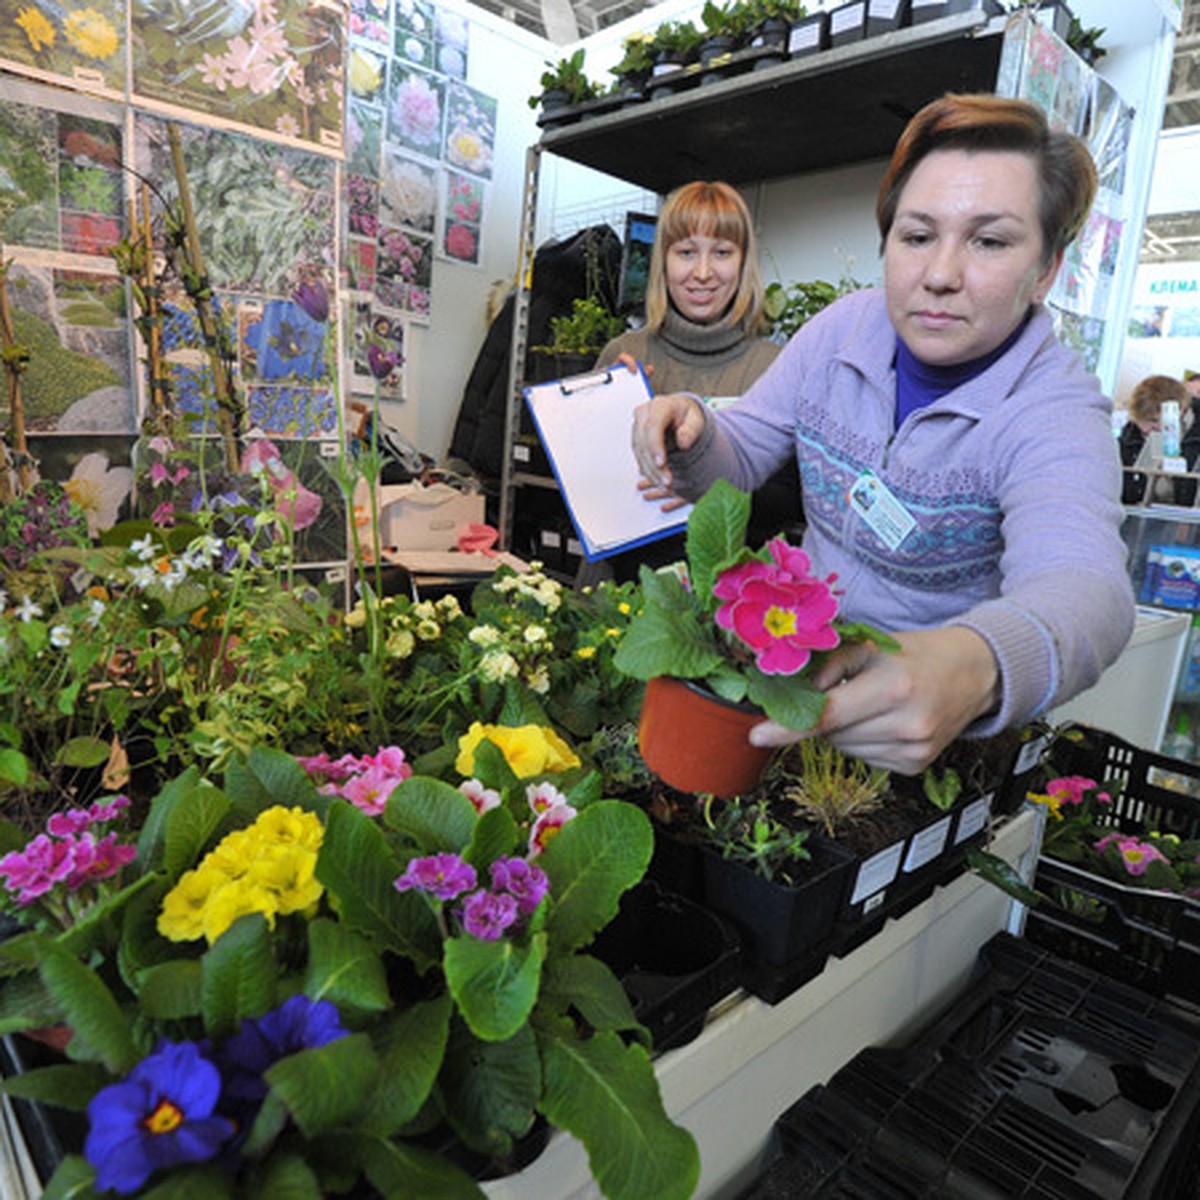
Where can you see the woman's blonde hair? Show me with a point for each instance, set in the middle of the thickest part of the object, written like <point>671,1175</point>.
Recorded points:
<point>715,210</point>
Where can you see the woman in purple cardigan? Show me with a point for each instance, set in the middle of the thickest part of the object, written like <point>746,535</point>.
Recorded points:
<point>991,545</point>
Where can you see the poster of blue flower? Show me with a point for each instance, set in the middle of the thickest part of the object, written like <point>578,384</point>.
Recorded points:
<point>270,65</point>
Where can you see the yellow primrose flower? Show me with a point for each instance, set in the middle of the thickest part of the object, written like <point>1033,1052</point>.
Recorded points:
<point>289,874</point>
<point>586,652</point>
<point>281,826</point>
<point>401,643</point>
<point>528,749</point>
<point>356,618</point>
<point>91,33</point>
<point>182,916</point>
<point>237,899</point>
<point>235,853</point>
<point>37,27</point>
<point>1052,803</point>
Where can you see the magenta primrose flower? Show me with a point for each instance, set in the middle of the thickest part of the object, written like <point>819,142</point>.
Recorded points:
<point>778,609</point>
<point>445,876</point>
<point>524,881</point>
<point>486,915</point>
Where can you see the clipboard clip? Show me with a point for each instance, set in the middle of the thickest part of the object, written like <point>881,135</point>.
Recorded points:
<point>583,383</point>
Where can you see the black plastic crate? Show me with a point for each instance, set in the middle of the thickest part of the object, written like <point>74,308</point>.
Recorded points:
<point>1043,1079</point>
<point>1148,938</point>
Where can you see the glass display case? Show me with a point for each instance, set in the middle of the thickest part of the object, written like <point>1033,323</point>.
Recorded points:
<point>1164,564</point>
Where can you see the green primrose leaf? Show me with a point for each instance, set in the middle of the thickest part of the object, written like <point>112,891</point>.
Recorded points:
<point>345,969</point>
<point>434,815</point>
<point>69,1085</point>
<point>1000,873</point>
<point>411,1045</point>
<point>398,1169</point>
<point>606,1094</point>
<point>238,975</point>
<point>328,1086</point>
<point>495,984</point>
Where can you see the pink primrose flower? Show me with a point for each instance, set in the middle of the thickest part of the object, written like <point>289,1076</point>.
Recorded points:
<point>390,759</point>
<point>163,516</point>
<point>1137,856</point>
<point>547,827</point>
<point>101,812</point>
<point>486,915</point>
<point>74,820</point>
<point>97,859</point>
<point>370,789</point>
<point>543,796</point>
<point>778,609</point>
<point>1073,790</point>
<point>483,798</point>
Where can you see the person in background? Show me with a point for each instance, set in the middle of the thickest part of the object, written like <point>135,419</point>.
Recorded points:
<point>1145,417</point>
<point>704,298</point>
<point>993,548</point>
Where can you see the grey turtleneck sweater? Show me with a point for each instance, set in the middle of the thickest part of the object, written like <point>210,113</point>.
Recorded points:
<point>710,360</point>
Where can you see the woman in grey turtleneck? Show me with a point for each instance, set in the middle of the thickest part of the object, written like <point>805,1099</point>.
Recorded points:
<point>703,299</point>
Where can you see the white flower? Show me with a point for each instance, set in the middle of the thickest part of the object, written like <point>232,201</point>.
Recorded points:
<point>143,547</point>
<point>60,637</point>
<point>498,665</point>
<point>484,635</point>
<point>27,610</point>
<point>539,681</point>
<point>97,615</point>
<point>141,577</point>
<point>535,634</point>
<point>99,490</point>
<point>201,550</point>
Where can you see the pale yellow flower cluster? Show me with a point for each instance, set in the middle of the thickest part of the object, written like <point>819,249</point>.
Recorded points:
<point>535,584</point>
<point>528,749</point>
<point>269,868</point>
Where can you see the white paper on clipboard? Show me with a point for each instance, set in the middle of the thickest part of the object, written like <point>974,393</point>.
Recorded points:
<point>585,422</point>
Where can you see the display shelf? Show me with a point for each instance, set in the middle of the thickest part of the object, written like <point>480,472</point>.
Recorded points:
<point>753,1060</point>
<point>843,105</point>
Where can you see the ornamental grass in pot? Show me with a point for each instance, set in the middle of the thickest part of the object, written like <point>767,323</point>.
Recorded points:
<point>737,632</point>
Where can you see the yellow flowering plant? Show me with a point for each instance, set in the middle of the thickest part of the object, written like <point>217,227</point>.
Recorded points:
<point>295,983</point>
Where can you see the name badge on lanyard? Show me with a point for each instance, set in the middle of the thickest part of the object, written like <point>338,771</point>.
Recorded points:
<point>885,516</point>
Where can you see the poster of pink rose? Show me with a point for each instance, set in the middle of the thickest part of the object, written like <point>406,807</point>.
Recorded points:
<point>416,108</point>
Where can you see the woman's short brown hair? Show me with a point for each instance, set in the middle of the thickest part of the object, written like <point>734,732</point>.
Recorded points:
<point>1147,399</point>
<point>713,210</point>
<point>983,122</point>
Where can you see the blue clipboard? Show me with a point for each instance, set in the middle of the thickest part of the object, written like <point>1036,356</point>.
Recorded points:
<point>585,422</point>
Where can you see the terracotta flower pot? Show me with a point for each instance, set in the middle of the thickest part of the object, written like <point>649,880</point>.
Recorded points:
<point>696,742</point>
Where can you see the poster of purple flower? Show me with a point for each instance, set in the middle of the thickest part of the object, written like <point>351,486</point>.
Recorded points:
<point>270,65</point>
<point>451,38</point>
<point>364,139</point>
<point>370,20</point>
<point>377,352</point>
<point>404,271</point>
<point>362,205</point>
<point>462,224</point>
<point>408,192</point>
<point>470,129</point>
<point>415,110</point>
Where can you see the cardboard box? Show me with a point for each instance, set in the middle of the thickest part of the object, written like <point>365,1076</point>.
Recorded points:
<point>415,517</point>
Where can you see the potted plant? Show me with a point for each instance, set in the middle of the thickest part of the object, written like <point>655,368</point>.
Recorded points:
<point>578,337</point>
<point>305,973</point>
<point>636,63</point>
<point>771,21</point>
<point>786,307</point>
<point>675,45</point>
<point>736,637</point>
<point>564,86</point>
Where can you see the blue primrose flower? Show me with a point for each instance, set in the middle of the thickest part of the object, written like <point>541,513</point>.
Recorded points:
<point>297,1024</point>
<point>159,1116</point>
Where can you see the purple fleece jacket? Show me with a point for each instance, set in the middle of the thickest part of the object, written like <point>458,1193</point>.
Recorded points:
<point>1013,479</point>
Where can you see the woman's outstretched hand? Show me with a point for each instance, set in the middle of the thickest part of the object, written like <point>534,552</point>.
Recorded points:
<point>900,711</point>
<point>671,422</point>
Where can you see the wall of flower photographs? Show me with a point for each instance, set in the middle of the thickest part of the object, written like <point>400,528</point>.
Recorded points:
<point>324,141</point>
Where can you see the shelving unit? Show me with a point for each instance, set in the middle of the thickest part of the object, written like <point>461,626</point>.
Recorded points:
<point>843,105</point>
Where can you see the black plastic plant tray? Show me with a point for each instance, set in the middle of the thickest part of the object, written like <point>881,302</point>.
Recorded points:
<point>674,958</point>
<point>1148,939</point>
